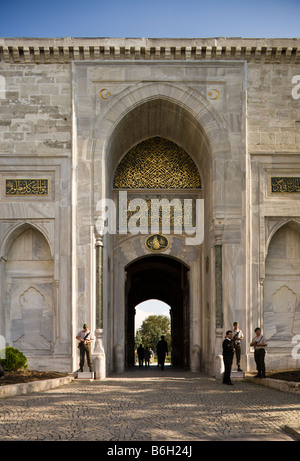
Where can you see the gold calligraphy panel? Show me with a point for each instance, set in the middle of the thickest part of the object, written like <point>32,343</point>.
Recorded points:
<point>285,184</point>
<point>157,163</point>
<point>26,187</point>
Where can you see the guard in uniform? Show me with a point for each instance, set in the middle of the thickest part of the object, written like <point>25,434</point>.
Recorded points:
<point>237,338</point>
<point>85,339</point>
<point>228,352</point>
<point>259,342</point>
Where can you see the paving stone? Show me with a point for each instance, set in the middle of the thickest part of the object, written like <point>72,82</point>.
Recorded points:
<point>151,405</point>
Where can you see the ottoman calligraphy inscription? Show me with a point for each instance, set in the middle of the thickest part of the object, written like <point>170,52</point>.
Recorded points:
<point>285,185</point>
<point>23,187</point>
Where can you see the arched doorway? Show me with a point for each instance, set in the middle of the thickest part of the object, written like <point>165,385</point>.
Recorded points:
<point>166,279</point>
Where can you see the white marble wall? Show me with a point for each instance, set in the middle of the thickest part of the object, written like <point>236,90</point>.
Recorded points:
<point>35,142</point>
<point>274,147</point>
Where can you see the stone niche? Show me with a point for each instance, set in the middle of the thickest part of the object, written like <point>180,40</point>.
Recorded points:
<point>29,276</point>
<point>32,325</point>
<point>281,288</point>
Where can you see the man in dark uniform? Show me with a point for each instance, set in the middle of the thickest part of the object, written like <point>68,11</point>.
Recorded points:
<point>162,351</point>
<point>228,351</point>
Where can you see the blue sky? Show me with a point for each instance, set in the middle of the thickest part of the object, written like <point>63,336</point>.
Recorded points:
<point>150,18</point>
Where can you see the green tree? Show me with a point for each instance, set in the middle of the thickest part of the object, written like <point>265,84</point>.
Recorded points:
<point>152,328</point>
<point>138,339</point>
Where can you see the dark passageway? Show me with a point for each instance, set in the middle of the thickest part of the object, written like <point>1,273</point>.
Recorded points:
<point>162,278</point>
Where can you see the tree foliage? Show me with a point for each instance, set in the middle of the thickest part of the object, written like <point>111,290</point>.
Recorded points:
<point>152,328</point>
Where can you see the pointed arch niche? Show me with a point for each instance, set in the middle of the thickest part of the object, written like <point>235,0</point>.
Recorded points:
<point>281,287</point>
<point>28,278</point>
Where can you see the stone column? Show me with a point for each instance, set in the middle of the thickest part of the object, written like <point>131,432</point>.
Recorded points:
<point>219,286</point>
<point>260,313</point>
<point>195,317</point>
<point>218,234</point>
<point>2,300</point>
<point>99,352</point>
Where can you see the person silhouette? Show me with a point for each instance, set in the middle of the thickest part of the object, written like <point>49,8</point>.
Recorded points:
<point>228,351</point>
<point>147,356</point>
<point>162,351</point>
<point>141,353</point>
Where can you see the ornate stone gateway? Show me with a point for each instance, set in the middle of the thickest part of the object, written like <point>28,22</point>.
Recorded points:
<point>121,159</point>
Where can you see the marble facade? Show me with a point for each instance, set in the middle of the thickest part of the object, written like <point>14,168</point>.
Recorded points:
<point>71,109</point>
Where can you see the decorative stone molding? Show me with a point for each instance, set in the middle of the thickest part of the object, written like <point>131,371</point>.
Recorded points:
<point>218,229</point>
<point>66,50</point>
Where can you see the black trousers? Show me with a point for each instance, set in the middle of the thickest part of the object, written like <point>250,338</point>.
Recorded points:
<point>238,354</point>
<point>161,360</point>
<point>259,357</point>
<point>227,359</point>
<point>85,349</point>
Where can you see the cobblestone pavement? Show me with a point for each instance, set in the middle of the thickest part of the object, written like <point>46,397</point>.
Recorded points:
<point>151,405</point>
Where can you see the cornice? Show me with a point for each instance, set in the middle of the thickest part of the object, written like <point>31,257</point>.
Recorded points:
<point>66,50</point>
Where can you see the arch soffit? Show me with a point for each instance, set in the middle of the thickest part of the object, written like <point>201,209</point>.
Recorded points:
<point>15,231</point>
<point>208,120</point>
<point>132,248</point>
<point>277,227</point>
<point>166,256</point>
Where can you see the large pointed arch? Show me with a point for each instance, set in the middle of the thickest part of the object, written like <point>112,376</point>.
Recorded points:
<point>177,113</point>
<point>184,117</point>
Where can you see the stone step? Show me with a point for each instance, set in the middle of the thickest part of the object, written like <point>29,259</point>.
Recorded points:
<point>237,374</point>
<point>90,375</point>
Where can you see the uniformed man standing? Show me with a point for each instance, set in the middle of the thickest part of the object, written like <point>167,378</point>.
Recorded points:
<point>259,342</point>
<point>228,352</point>
<point>237,338</point>
<point>85,339</point>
